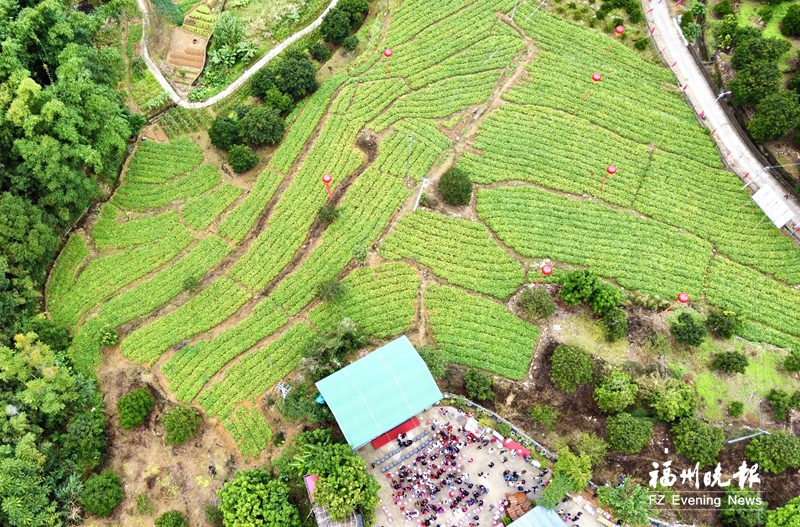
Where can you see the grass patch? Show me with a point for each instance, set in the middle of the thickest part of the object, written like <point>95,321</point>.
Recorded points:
<point>583,331</point>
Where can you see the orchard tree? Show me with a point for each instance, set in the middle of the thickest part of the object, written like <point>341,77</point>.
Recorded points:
<point>687,330</point>
<point>254,499</point>
<point>628,434</point>
<point>742,508</point>
<point>754,83</point>
<point>241,158</point>
<point>133,408</point>
<point>479,385</point>
<point>786,516</point>
<point>776,452</point>
<point>261,82</point>
<point>669,398</point>
<point>262,125</point>
<point>343,483</point>
<point>355,8</point>
<point>615,392</point>
<point>790,25</point>
<point>455,187</point>
<point>224,132</point>
<point>335,26</point>
<point>295,74</point>
<point>571,367</point>
<point>578,286</point>
<point>775,115</point>
<point>723,323</point>
<point>629,502</point>
<point>102,493</point>
<point>604,298</point>
<point>699,442</point>
<point>577,468</point>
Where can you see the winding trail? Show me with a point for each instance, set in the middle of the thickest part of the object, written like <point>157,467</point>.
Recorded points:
<point>183,103</point>
<point>670,44</point>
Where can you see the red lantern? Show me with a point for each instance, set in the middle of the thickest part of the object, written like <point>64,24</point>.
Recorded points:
<point>546,271</point>
<point>683,298</point>
<point>388,54</point>
<point>610,171</point>
<point>326,178</point>
<point>619,30</point>
<point>597,77</point>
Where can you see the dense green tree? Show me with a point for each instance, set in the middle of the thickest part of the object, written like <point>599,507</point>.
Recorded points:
<point>669,398</point>
<point>578,286</point>
<point>786,516</point>
<point>699,442</point>
<point>775,116</point>
<point>319,52</point>
<point>224,132</point>
<point>792,362</point>
<point>578,468</point>
<point>261,82</point>
<point>435,360</point>
<point>479,385</point>
<point>277,99</point>
<point>102,493</point>
<point>629,502</point>
<point>628,434</point>
<point>355,8</point>
<point>753,84</point>
<point>592,446</point>
<point>604,298</point>
<point>776,452</point>
<point>455,187</point>
<point>262,125</point>
<point>615,392</point>
<point>742,508</point>
<point>336,26</point>
<point>544,414</point>
<point>752,50</point>
<point>736,409</point>
<point>723,323</point>
<point>343,483</point>
<point>180,424</point>
<point>350,43</point>
<point>228,31</point>
<point>730,362</point>
<point>171,519</point>
<point>295,74</point>
<point>328,350</point>
<point>571,367</point>
<point>241,158</point>
<point>254,499</point>
<point>615,324</point>
<point>790,25</point>
<point>555,491</point>
<point>687,330</point>
<point>86,438</point>
<point>133,408</point>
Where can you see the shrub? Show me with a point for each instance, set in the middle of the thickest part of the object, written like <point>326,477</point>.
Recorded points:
<point>615,324</point>
<point>781,401</point>
<point>224,132</point>
<point>577,287</point>
<point>455,187</point>
<point>479,385</point>
<point>774,453</point>
<point>536,303</point>
<point>545,415</point>
<point>171,519</point>
<point>571,367</point>
<point>593,447</point>
<point>241,158</point>
<point>657,344</point>
<point>790,25</point>
<point>687,330</point>
<point>578,468</point>
<point>723,8</point>
<point>133,408</point>
<point>355,8</point>
<point>144,507</point>
<point>360,252</point>
<point>335,26</point>
<point>699,442</point>
<point>628,434</point>
<point>180,424</point>
<point>604,298</point>
<point>261,82</point>
<point>330,290</point>
<point>102,492</point>
<point>350,43</point>
<point>327,214</point>
<point>730,362</point>
<point>191,284</point>
<point>295,74</point>
<point>615,392</point>
<point>504,429</point>
<point>435,360</point>
<point>641,43</point>
<point>319,52</point>
<point>262,126</point>
<point>792,362</point>
<point>555,491</point>
<point>108,337</point>
<point>214,515</point>
<point>723,324</point>
<point>278,100</point>
<point>732,514</point>
<point>671,399</point>
<point>736,409</point>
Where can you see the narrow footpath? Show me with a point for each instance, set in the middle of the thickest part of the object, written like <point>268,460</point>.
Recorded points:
<point>672,47</point>
<point>235,84</point>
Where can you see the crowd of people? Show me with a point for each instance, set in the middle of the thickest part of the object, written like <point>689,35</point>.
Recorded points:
<point>441,486</point>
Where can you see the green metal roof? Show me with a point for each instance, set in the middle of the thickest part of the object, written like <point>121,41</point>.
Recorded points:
<point>380,391</point>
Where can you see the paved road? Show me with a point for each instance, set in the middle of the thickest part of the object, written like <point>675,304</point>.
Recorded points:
<point>235,84</point>
<point>669,40</point>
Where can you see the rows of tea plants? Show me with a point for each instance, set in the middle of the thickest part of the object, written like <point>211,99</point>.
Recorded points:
<point>370,98</point>
<point>190,368</point>
<point>492,52</point>
<point>199,212</point>
<point>401,153</point>
<point>110,232</point>
<point>755,332</point>
<point>65,270</point>
<point>733,286</point>
<point>293,215</point>
<point>179,121</point>
<point>633,107</point>
<point>639,253</point>
<point>478,332</point>
<point>147,93</point>
<point>159,162</point>
<point>257,372</point>
<point>440,99</point>
<point>250,431</point>
<point>381,300</point>
<point>239,221</point>
<point>364,213</point>
<point>136,196</point>
<point>106,274</point>
<point>712,204</point>
<point>413,16</point>
<point>556,150</point>
<point>460,251</point>
<point>300,132</point>
<point>166,284</point>
<point>202,312</point>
